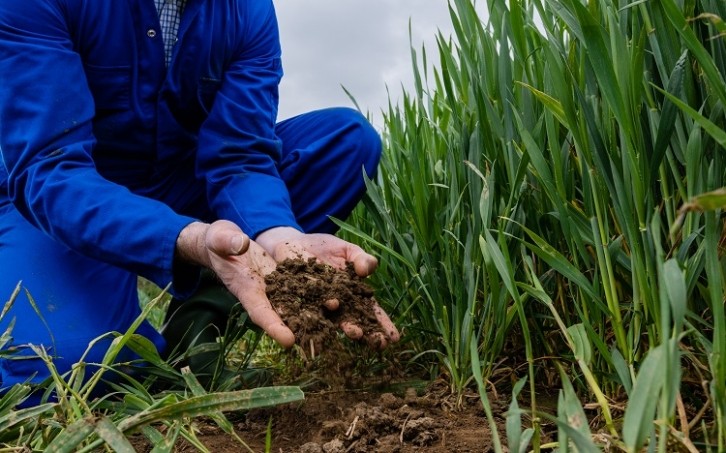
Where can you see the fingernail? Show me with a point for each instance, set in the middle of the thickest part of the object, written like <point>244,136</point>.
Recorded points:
<point>237,244</point>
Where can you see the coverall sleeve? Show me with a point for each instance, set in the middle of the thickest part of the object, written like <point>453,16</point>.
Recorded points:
<point>46,141</point>
<point>238,149</point>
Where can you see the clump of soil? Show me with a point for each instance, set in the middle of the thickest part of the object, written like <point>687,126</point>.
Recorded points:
<point>386,424</point>
<point>298,290</point>
<point>343,421</point>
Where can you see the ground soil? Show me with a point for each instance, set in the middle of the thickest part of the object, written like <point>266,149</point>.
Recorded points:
<point>357,421</point>
<point>356,399</point>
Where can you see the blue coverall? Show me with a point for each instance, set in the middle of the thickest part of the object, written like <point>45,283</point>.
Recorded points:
<point>107,155</point>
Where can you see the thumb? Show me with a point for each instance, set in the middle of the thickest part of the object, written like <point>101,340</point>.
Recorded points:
<point>225,238</point>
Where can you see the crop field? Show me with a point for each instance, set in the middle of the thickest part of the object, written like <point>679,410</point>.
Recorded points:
<point>549,221</point>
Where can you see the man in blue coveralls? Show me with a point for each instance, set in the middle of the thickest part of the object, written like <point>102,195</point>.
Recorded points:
<point>139,137</point>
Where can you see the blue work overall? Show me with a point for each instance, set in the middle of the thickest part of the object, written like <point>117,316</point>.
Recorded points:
<point>107,155</point>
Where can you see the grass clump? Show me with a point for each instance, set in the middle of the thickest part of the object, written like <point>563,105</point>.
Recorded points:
<point>103,404</point>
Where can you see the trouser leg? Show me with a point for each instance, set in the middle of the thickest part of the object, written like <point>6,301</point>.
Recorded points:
<point>325,154</point>
<point>77,300</point>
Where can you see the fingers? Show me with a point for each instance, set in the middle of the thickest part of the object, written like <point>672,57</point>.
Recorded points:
<point>226,239</point>
<point>377,340</point>
<point>386,324</point>
<point>244,275</point>
<point>351,331</point>
<point>326,248</point>
<point>268,320</point>
<point>281,334</point>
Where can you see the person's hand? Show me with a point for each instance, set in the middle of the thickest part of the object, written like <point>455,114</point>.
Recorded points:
<point>241,265</point>
<point>283,243</point>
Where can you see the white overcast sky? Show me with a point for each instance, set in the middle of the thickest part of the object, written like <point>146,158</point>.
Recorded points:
<point>362,45</point>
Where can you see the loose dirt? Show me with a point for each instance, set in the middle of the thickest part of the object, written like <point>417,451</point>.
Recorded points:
<point>357,399</point>
<point>299,289</point>
<point>355,421</point>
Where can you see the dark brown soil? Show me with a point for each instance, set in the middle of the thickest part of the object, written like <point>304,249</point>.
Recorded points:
<point>342,421</point>
<point>298,289</point>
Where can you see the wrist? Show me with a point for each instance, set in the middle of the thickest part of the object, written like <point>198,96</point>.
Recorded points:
<point>191,244</point>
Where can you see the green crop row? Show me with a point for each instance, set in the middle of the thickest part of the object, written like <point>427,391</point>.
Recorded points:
<point>550,196</point>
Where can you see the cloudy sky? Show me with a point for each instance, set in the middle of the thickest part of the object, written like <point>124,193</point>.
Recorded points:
<point>362,45</point>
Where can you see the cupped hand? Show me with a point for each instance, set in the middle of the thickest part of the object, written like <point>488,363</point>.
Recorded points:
<point>283,243</point>
<point>242,265</point>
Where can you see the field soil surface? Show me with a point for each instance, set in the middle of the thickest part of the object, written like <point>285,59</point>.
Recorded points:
<point>356,399</point>
<point>358,421</point>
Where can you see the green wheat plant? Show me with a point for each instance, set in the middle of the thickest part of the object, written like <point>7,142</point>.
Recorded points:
<point>552,191</point>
